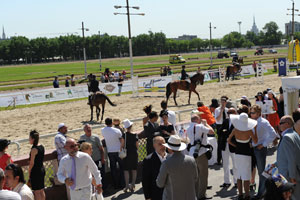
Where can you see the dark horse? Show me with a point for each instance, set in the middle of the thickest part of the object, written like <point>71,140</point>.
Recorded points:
<point>234,69</point>
<point>172,87</point>
<point>97,99</point>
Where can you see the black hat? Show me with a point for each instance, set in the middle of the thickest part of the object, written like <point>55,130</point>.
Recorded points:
<point>4,143</point>
<point>214,103</point>
<point>259,94</point>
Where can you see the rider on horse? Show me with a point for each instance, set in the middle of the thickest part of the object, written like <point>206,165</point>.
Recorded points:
<point>93,87</point>
<point>184,75</point>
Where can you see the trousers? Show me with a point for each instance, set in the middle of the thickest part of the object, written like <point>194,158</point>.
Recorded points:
<point>201,185</point>
<point>225,156</point>
<point>261,156</point>
<point>82,194</point>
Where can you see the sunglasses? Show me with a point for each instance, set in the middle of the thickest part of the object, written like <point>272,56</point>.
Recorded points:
<point>282,123</point>
<point>73,146</point>
<point>252,113</point>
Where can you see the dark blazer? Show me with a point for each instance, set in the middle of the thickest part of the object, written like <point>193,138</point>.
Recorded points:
<point>225,131</point>
<point>151,166</point>
<point>149,133</point>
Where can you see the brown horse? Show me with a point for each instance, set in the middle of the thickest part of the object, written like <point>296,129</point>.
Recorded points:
<point>172,87</point>
<point>233,70</point>
<point>97,99</point>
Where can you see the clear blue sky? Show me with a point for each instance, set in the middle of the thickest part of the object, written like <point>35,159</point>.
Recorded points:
<point>37,18</point>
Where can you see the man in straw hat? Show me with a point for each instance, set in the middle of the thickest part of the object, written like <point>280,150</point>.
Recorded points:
<point>178,175</point>
<point>244,130</point>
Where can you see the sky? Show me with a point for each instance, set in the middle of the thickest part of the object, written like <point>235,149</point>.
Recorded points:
<point>50,18</point>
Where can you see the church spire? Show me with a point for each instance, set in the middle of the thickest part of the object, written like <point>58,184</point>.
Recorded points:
<point>3,33</point>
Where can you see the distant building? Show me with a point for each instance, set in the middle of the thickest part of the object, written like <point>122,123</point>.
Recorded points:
<point>187,37</point>
<point>288,28</point>
<point>3,34</point>
<point>254,28</point>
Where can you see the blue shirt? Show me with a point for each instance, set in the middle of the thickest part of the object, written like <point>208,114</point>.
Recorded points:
<point>265,132</point>
<point>60,141</point>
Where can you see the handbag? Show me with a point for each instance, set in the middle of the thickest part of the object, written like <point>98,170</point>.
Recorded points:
<point>123,152</point>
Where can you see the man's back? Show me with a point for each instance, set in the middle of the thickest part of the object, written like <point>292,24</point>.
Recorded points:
<point>181,173</point>
<point>9,195</point>
<point>112,138</point>
<point>60,141</point>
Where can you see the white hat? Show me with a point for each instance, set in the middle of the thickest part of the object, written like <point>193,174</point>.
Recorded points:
<point>127,123</point>
<point>244,97</point>
<point>61,125</point>
<point>271,92</point>
<point>242,122</point>
<point>197,112</point>
<point>174,143</point>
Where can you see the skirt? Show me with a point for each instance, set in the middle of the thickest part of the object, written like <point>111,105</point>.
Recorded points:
<point>243,167</point>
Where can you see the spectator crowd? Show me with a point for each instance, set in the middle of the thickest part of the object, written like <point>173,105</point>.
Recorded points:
<point>176,165</point>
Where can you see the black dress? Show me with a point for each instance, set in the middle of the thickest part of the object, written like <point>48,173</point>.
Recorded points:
<point>168,128</point>
<point>131,160</point>
<point>37,174</point>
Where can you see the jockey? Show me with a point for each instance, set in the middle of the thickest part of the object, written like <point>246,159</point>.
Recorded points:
<point>184,75</point>
<point>93,87</point>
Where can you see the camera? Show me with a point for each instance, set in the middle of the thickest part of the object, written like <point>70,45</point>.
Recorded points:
<point>197,145</point>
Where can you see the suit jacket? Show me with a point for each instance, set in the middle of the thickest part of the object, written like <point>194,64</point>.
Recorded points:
<point>149,132</point>
<point>178,175</point>
<point>151,166</point>
<point>225,131</point>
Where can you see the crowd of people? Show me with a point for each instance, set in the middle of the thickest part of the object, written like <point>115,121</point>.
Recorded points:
<point>176,165</point>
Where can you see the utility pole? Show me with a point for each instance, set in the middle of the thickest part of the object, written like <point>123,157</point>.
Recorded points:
<point>84,54</point>
<point>210,43</point>
<point>293,24</point>
<point>100,51</point>
<point>239,23</point>
<point>129,29</point>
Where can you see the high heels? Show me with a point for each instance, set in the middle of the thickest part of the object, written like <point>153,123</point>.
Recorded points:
<point>253,187</point>
<point>132,188</point>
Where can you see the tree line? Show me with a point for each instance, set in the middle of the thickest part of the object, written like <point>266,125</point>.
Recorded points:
<point>21,49</point>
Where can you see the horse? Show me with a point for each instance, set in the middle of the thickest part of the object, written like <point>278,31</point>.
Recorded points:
<point>172,87</point>
<point>233,70</point>
<point>97,99</point>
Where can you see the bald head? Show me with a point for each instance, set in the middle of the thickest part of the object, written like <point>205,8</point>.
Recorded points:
<point>158,142</point>
<point>195,119</point>
<point>286,122</point>
<point>71,146</point>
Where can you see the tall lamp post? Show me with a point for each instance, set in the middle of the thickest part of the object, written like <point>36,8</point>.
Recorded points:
<point>100,51</point>
<point>84,54</point>
<point>129,29</point>
<point>210,44</point>
<point>239,23</point>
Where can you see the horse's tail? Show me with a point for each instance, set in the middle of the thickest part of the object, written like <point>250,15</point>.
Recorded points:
<point>109,101</point>
<point>168,90</point>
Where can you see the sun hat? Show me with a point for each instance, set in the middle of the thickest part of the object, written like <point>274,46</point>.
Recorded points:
<point>271,92</point>
<point>214,103</point>
<point>60,126</point>
<point>244,97</point>
<point>127,123</point>
<point>281,183</point>
<point>242,122</point>
<point>174,143</point>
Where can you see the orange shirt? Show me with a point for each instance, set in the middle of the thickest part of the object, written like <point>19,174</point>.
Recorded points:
<point>207,115</point>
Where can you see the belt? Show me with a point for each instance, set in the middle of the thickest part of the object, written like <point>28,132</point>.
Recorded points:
<point>79,189</point>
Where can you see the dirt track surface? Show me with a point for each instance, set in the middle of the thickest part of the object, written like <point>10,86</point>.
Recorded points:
<point>16,124</point>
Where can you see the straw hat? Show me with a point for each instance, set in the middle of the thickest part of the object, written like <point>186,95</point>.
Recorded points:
<point>242,122</point>
<point>127,123</point>
<point>174,143</point>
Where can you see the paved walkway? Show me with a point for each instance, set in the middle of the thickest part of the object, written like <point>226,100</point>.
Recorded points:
<point>215,179</point>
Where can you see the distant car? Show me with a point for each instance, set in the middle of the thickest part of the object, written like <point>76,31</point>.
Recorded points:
<point>175,59</point>
<point>259,51</point>
<point>233,54</point>
<point>222,54</point>
<point>272,51</point>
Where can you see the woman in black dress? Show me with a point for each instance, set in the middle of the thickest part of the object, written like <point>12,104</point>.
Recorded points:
<point>36,169</point>
<point>166,128</point>
<point>131,160</point>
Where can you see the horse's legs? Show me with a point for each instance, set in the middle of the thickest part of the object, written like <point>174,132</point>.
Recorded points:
<point>98,112</point>
<point>190,92</point>
<point>91,112</point>
<point>103,106</point>
<point>194,90</point>
<point>174,96</point>
<point>168,95</point>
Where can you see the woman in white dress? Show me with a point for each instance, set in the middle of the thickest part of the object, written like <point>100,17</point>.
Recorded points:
<point>244,130</point>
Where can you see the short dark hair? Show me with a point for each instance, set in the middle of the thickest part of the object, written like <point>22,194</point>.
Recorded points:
<point>296,115</point>
<point>152,115</point>
<point>148,109</point>
<point>200,103</point>
<point>163,112</point>
<point>281,90</point>
<point>163,104</point>
<point>108,121</point>
<point>35,136</point>
<point>17,171</point>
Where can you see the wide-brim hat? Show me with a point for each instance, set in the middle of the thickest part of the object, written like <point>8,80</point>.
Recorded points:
<point>60,126</point>
<point>242,122</point>
<point>174,143</point>
<point>127,123</point>
<point>214,103</point>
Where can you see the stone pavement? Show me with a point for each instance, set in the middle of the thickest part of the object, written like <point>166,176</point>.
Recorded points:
<point>215,179</point>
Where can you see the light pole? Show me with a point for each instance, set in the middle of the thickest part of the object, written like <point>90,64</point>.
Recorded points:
<point>210,44</point>
<point>100,50</point>
<point>239,23</point>
<point>129,29</point>
<point>84,54</point>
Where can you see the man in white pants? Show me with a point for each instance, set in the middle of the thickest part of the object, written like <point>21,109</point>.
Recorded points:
<point>76,170</point>
<point>227,150</point>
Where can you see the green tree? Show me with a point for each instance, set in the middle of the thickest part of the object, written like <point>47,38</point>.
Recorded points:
<point>272,35</point>
<point>233,40</point>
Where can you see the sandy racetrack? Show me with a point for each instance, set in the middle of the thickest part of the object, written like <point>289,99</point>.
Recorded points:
<point>17,123</point>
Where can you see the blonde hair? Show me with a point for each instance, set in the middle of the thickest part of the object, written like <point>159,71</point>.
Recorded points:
<point>85,146</point>
<point>256,108</point>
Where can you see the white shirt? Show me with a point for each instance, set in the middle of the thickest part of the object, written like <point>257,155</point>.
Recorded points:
<point>200,130</point>
<point>24,191</point>
<point>112,138</point>
<point>85,168</point>
<point>9,195</point>
<point>171,117</point>
<point>265,132</point>
<point>218,112</point>
<point>162,159</point>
